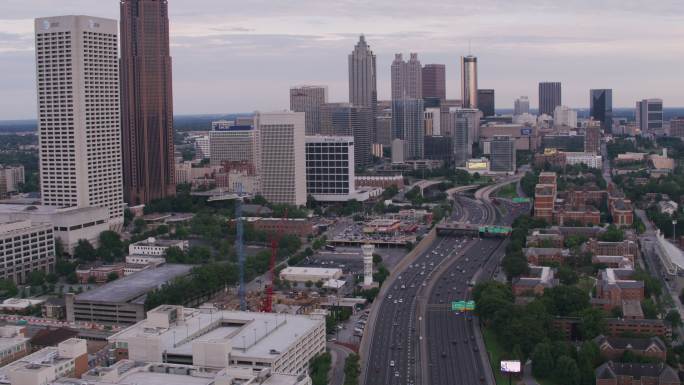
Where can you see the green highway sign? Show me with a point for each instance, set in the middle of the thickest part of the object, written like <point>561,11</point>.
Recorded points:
<point>458,305</point>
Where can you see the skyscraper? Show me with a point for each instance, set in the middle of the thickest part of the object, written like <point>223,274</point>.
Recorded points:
<point>649,116</point>
<point>521,106</point>
<point>330,167</point>
<point>146,101</point>
<point>564,116</point>
<point>233,144</point>
<point>549,97</point>
<point>485,102</point>
<point>502,154</point>
<point>677,127</point>
<point>308,99</point>
<point>78,107</point>
<point>434,81</point>
<point>344,119</point>
<point>469,81</point>
<point>407,77</point>
<point>601,107</point>
<point>283,163</point>
<point>363,88</point>
<point>592,137</point>
<point>472,119</point>
<point>408,125</point>
<point>460,139</point>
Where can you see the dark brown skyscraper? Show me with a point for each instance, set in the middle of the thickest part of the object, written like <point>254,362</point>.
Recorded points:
<point>146,101</point>
<point>434,81</point>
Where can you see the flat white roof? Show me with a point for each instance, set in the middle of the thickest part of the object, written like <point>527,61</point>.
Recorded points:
<point>317,271</point>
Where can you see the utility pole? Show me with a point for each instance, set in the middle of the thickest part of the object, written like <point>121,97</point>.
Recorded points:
<point>674,230</point>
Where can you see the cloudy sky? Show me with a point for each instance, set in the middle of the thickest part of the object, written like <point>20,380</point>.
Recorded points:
<point>240,56</point>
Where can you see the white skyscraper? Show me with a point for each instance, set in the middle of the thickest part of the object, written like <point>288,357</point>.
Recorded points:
<point>565,116</point>
<point>283,163</point>
<point>77,72</point>
<point>521,106</point>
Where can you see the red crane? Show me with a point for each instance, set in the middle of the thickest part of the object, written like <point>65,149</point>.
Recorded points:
<point>267,305</point>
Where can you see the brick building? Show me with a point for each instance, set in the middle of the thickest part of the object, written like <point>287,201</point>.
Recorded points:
<point>99,273</point>
<point>541,238</point>
<point>582,215</point>
<point>612,348</point>
<point>615,286</point>
<point>544,255</point>
<point>617,373</point>
<point>628,248</point>
<point>538,280</point>
<point>615,327</point>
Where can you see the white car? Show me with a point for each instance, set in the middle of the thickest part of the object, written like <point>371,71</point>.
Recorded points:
<point>392,363</point>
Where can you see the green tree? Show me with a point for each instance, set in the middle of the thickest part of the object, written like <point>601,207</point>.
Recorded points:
<point>515,265</point>
<point>612,234</point>
<point>673,318</point>
<point>72,278</point>
<point>542,360</point>
<point>590,352</point>
<point>567,372</point>
<point>567,276</point>
<point>139,225</point>
<point>111,247</point>
<point>51,278</point>
<point>113,276</point>
<point>592,323</point>
<point>36,278</point>
<point>308,284</point>
<point>84,251</point>
<point>92,280</point>
<point>650,309</point>
<point>175,254</point>
<point>8,288</point>
<point>565,300</point>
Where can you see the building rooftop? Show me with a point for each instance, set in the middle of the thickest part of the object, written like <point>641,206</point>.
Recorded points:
<point>46,357</point>
<point>631,343</point>
<point>611,370</point>
<point>310,270</point>
<point>134,286</point>
<point>158,242</point>
<point>11,336</point>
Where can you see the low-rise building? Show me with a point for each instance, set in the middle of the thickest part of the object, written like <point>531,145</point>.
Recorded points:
<point>583,216</point>
<point>668,207</point>
<point>589,159</point>
<point>99,273</point>
<point>25,247</point>
<point>306,274</point>
<point>379,181</point>
<point>155,246</point>
<point>539,279</point>
<point>122,301</point>
<point>11,178</point>
<point>209,338</point>
<point>68,359</point>
<point>619,373</point>
<point>544,255</point>
<point>616,286</point>
<point>615,327</point>
<point>613,261</point>
<point>627,248</point>
<point>301,227</point>
<point>541,238</point>
<point>13,343</point>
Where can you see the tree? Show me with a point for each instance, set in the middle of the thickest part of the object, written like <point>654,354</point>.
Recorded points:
<point>113,276</point>
<point>377,258</point>
<point>72,278</point>
<point>542,360</point>
<point>612,234</point>
<point>673,318</point>
<point>8,288</point>
<point>592,323</point>
<point>111,247</point>
<point>567,276</point>
<point>650,309</point>
<point>308,284</point>
<point>590,352</point>
<point>139,225</point>
<point>319,284</point>
<point>36,278</point>
<point>565,300</point>
<point>567,372</point>
<point>175,254</point>
<point>51,278</point>
<point>92,280</point>
<point>84,251</point>
<point>515,265</point>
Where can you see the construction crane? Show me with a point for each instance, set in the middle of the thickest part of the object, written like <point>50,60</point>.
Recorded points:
<point>239,246</point>
<point>267,305</point>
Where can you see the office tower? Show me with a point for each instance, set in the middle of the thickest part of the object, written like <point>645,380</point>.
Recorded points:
<point>383,128</point>
<point>549,97</point>
<point>472,117</point>
<point>485,102</point>
<point>27,246</point>
<point>434,81</point>
<point>330,167</point>
<point>502,154</point>
<point>344,119</point>
<point>439,148</point>
<point>677,127</point>
<point>11,179</point>
<point>282,153</point>
<point>407,125</point>
<point>234,144</point>
<point>363,88</point>
<point>407,77</point>
<point>592,137</point>
<point>433,121</point>
<point>398,148</point>
<point>469,81</point>
<point>521,106</point>
<point>601,107</point>
<point>202,147</point>
<point>79,130</point>
<point>308,99</point>
<point>564,116</point>
<point>649,116</point>
<point>460,139</point>
<point>146,101</point>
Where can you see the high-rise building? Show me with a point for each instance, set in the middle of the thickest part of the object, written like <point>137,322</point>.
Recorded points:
<point>11,179</point>
<point>383,128</point>
<point>146,101</point>
<point>78,113</point>
<point>485,102</point>
<point>433,118</point>
<point>592,137</point>
<point>234,144</point>
<point>565,116</point>
<point>469,81</point>
<point>344,119</point>
<point>472,117</point>
<point>521,106</point>
<point>439,148</point>
<point>408,125</point>
<point>407,77</point>
<point>308,99</point>
<point>282,153</point>
<point>549,97</point>
<point>363,87</point>
<point>649,116</point>
<point>502,154</point>
<point>330,167</point>
<point>460,139</point>
<point>677,127</point>
<point>601,107</point>
<point>434,81</point>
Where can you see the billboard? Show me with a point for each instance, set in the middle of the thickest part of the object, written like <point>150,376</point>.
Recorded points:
<point>510,366</point>
<point>526,131</point>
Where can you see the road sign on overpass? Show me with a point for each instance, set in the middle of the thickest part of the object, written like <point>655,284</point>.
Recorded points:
<point>463,306</point>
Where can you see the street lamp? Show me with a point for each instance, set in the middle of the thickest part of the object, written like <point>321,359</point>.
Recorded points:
<point>674,228</point>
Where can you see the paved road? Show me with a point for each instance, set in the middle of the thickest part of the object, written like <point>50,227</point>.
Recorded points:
<point>338,354</point>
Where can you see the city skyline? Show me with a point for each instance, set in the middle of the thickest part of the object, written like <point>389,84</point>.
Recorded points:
<point>602,54</point>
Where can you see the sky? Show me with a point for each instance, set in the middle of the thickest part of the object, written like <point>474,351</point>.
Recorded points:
<point>242,56</point>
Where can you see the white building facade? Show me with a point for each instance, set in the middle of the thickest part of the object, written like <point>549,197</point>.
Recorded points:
<point>25,247</point>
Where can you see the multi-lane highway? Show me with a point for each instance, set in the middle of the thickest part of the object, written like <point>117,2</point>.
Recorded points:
<point>414,337</point>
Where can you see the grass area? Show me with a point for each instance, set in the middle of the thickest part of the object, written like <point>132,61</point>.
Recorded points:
<point>507,191</point>
<point>495,352</point>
